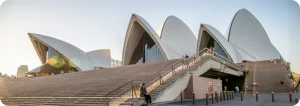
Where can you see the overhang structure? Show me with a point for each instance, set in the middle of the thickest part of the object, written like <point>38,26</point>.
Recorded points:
<point>249,37</point>
<point>171,44</point>
<point>57,56</point>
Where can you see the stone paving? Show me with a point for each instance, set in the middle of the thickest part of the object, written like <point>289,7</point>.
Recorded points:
<point>281,99</point>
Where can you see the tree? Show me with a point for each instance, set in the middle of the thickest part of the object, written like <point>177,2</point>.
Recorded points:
<point>288,66</point>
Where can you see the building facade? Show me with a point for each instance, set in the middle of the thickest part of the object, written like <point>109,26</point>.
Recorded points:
<point>247,40</point>
<point>142,44</point>
<point>249,37</point>
<point>22,70</point>
<point>59,57</point>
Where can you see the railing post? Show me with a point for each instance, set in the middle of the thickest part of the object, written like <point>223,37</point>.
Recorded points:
<point>241,96</point>
<point>132,89</point>
<point>256,94</point>
<point>193,97</point>
<point>173,70</point>
<point>291,97</point>
<point>229,93</point>
<point>187,64</point>
<point>212,97</point>
<point>224,96</point>
<point>181,97</point>
<point>134,92</point>
<point>206,98</point>
<point>217,97</point>
<point>194,59</point>
<point>228,96</point>
<point>182,63</point>
<point>160,81</point>
<point>233,94</point>
<point>273,97</point>
<point>107,101</point>
<point>221,97</point>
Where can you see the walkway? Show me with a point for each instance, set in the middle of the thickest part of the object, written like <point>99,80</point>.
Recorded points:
<point>249,100</point>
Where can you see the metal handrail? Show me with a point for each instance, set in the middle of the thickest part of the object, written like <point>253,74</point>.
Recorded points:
<point>109,100</point>
<point>106,96</point>
<point>171,66</point>
<point>118,88</point>
<point>227,61</point>
<point>159,73</point>
<point>146,79</point>
<point>167,70</point>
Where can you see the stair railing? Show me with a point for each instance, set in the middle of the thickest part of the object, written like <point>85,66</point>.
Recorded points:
<point>125,87</point>
<point>225,60</point>
<point>150,80</point>
<point>171,70</point>
<point>184,63</point>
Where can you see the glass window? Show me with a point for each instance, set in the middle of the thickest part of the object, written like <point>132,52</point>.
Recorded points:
<point>216,47</point>
<point>146,51</point>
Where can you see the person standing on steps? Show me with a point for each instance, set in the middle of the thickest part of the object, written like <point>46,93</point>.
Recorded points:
<point>254,84</point>
<point>144,93</point>
<point>281,82</point>
<point>237,91</point>
<point>186,56</point>
<point>210,50</point>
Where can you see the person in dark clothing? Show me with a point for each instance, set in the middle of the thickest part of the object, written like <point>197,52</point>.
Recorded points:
<point>145,94</point>
<point>186,56</point>
<point>281,82</point>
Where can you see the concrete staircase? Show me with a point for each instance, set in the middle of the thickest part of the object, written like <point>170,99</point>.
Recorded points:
<point>171,86</point>
<point>155,93</point>
<point>96,88</point>
<point>81,88</point>
<point>268,75</point>
<point>53,101</point>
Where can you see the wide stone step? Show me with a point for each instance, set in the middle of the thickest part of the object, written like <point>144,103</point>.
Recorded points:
<point>53,101</point>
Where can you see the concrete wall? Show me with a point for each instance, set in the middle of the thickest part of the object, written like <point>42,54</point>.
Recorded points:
<point>267,76</point>
<point>201,85</point>
<point>189,89</point>
<point>212,64</point>
<point>189,83</point>
<point>174,89</point>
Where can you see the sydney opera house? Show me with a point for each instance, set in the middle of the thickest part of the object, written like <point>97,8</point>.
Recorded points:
<point>247,40</point>
<point>171,62</point>
<point>58,57</point>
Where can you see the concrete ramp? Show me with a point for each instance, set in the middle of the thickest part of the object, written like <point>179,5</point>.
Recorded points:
<point>268,76</point>
<point>174,90</point>
<point>216,66</point>
<point>197,68</point>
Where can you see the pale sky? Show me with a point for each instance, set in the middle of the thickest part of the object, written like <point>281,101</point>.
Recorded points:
<point>99,24</point>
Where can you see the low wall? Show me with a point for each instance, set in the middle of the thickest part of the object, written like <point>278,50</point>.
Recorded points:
<point>200,86</point>
<point>3,89</point>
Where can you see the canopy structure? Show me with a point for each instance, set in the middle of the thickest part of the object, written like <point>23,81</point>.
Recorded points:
<point>142,44</point>
<point>58,56</point>
<point>247,40</point>
<point>250,38</point>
